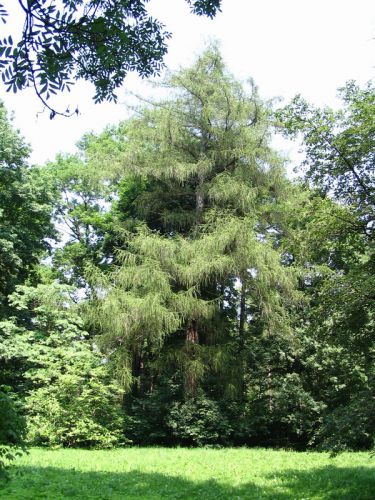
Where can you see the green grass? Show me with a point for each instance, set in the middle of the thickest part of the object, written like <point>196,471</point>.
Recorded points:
<point>152,473</point>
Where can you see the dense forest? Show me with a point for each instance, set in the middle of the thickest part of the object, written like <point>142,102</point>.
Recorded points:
<point>170,284</point>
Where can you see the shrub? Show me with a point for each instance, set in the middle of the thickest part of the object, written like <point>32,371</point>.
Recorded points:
<point>75,411</point>
<point>198,422</point>
<point>12,428</point>
<point>349,427</point>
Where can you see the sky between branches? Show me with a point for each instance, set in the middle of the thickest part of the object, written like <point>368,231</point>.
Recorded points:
<point>288,46</point>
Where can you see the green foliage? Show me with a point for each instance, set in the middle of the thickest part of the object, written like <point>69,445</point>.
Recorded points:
<point>81,212</point>
<point>339,147</point>
<point>230,305</point>
<point>160,416</point>
<point>80,410</point>
<point>334,247</point>
<point>203,209</point>
<point>25,209</point>
<point>99,41</point>
<point>198,422</point>
<point>147,410</point>
<point>350,426</point>
<point>12,431</point>
<point>279,411</point>
<point>70,398</point>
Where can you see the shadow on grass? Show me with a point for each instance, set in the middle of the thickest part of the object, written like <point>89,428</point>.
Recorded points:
<point>354,483</point>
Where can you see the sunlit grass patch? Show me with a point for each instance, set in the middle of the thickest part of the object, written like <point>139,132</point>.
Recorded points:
<point>153,473</point>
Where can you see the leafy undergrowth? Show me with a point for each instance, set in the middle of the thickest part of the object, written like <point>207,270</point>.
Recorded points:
<point>152,473</point>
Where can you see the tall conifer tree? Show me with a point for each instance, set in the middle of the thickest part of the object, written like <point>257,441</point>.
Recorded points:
<point>199,268</point>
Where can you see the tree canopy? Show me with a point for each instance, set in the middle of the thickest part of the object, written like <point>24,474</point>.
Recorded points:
<point>25,211</point>
<point>168,284</point>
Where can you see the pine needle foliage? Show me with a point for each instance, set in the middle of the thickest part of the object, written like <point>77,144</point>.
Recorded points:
<point>211,184</point>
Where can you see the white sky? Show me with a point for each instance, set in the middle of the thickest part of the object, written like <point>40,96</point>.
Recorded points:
<point>310,47</point>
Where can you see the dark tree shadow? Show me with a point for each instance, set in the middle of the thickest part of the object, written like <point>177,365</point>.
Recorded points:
<point>331,482</point>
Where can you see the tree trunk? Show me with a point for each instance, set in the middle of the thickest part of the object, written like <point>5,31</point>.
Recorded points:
<point>199,199</point>
<point>192,336</point>
<point>241,329</point>
<point>191,339</point>
<point>137,371</point>
<point>270,391</point>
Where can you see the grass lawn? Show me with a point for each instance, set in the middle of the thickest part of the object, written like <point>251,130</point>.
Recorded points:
<point>151,473</point>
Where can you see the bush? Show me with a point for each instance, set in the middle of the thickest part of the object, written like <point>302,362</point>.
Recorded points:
<point>146,414</point>
<point>12,429</point>
<point>349,427</point>
<point>70,397</point>
<point>75,411</point>
<point>282,414</point>
<point>198,422</point>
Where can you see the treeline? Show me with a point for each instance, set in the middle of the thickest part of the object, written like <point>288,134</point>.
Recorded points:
<point>168,284</point>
